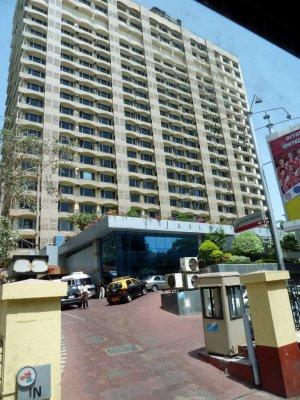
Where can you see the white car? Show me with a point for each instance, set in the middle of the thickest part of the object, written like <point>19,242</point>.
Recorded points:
<point>155,282</point>
<point>76,279</point>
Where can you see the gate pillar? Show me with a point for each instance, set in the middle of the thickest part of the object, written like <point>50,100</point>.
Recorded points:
<point>276,346</point>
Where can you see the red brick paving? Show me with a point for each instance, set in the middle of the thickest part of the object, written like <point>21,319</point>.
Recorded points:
<point>166,367</point>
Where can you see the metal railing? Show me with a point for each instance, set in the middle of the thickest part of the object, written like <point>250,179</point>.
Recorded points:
<point>294,293</point>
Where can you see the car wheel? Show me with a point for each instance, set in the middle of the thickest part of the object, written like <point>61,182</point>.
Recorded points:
<point>128,298</point>
<point>154,288</point>
<point>79,305</point>
<point>144,292</point>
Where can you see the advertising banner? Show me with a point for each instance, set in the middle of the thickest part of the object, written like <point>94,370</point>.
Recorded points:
<point>285,151</point>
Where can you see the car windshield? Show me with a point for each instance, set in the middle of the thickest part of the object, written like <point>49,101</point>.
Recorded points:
<point>87,281</point>
<point>115,286</point>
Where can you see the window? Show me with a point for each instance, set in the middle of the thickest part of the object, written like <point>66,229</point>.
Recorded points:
<point>66,172</point>
<point>66,110</point>
<point>108,194</point>
<point>134,182</point>
<point>35,72</point>
<point>86,129</point>
<point>26,223</point>
<point>66,96</point>
<point>66,125</point>
<point>86,145</point>
<point>107,178</point>
<point>86,115</point>
<point>64,189</point>
<point>87,160</point>
<point>131,154</point>
<point>89,176</point>
<point>65,207</point>
<point>146,157</point>
<point>87,192</point>
<point>65,225</point>
<point>35,87</point>
<point>107,163</point>
<point>211,300</point>
<point>87,208</point>
<point>33,117</point>
<point>234,301</point>
<point>105,135</point>
<point>135,198</point>
<point>105,149</point>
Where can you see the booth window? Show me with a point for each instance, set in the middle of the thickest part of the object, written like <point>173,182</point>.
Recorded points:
<point>234,302</point>
<point>211,299</point>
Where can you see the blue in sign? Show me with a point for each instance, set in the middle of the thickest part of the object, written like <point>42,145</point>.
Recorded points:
<point>213,327</point>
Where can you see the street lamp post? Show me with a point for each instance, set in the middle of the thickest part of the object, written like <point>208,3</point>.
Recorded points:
<point>271,217</point>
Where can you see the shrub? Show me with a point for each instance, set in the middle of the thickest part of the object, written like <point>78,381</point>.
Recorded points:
<point>247,244</point>
<point>226,256</point>
<point>209,253</point>
<point>238,260</point>
<point>216,256</point>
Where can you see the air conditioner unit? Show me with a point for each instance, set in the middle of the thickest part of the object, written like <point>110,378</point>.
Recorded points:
<point>192,281</point>
<point>174,281</point>
<point>189,264</point>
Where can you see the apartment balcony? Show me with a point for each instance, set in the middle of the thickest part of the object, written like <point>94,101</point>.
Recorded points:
<point>29,124</point>
<point>33,51</point>
<point>28,21</point>
<point>81,7</point>
<point>21,212</point>
<point>140,149</point>
<point>25,107</point>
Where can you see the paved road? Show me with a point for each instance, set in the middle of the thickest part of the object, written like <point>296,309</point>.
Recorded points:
<point>158,359</point>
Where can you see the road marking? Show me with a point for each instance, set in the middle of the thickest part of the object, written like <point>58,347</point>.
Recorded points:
<point>74,316</point>
<point>123,349</point>
<point>70,322</point>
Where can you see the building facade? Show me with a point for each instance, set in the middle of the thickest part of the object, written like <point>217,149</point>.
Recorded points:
<point>157,115</point>
<point>121,245</point>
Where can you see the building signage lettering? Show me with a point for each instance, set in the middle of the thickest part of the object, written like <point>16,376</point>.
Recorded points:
<point>34,383</point>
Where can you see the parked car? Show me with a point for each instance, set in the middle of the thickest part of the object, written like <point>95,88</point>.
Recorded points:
<point>73,297</point>
<point>155,282</point>
<point>76,279</point>
<point>124,290</point>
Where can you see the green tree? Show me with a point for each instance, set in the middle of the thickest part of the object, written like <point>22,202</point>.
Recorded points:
<point>289,242</point>
<point>133,213</point>
<point>216,236</point>
<point>8,239</point>
<point>27,162</point>
<point>247,244</point>
<point>209,253</point>
<point>82,220</point>
<point>183,217</point>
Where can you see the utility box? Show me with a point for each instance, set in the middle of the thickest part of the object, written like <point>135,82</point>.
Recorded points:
<point>222,312</point>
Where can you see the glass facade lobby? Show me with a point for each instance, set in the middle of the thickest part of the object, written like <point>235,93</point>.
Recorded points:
<point>141,254</point>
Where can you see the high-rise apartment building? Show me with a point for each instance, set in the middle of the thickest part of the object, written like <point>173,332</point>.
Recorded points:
<point>157,113</point>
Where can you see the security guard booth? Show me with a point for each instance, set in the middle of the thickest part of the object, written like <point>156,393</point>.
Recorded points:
<point>222,312</point>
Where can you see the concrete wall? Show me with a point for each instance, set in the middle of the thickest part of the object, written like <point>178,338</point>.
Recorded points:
<point>240,268</point>
<point>86,260</point>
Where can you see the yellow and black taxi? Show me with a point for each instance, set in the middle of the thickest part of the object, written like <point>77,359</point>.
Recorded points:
<point>124,289</point>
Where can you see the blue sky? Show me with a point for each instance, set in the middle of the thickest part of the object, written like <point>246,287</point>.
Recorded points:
<point>268,71</point>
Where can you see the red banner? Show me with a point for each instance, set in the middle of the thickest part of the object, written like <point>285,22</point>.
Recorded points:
<point>285,150</point>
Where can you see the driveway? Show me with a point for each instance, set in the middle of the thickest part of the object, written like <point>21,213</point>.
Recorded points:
<point>137,351</point>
